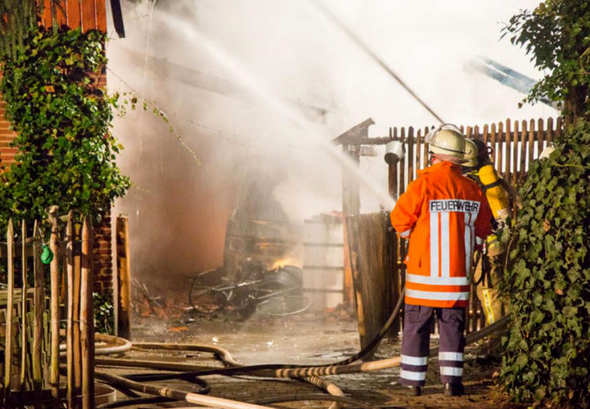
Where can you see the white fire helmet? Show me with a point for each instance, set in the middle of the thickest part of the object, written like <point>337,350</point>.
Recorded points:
<point>447,143</point>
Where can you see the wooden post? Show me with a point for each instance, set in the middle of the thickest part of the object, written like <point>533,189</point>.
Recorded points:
<point>24,338</point>
<point>123,285</point>
<point>9,316</point>
<point>39,308</point>
<point>87,317</point>
<point>55,281</point>
<point>76,324</point>
<point>70,311</point>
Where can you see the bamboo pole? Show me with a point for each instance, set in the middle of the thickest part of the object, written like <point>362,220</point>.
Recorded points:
<point>70,311</point>
<point>55,281</point>
<point>39,309</point>
<point>87,317</point>
<point>24,338</point>
<point>9,316</point>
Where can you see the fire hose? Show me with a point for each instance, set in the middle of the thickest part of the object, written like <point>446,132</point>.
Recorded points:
<point>129,382</point>
<point>308,373</point>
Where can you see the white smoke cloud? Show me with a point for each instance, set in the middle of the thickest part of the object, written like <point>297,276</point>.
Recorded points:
<point>178,210</point>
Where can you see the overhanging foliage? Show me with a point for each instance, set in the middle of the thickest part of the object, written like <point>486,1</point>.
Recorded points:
<point>66,153</point>
<point>557,35</point>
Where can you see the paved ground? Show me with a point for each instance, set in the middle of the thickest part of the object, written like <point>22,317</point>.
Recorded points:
<point>312,338</point>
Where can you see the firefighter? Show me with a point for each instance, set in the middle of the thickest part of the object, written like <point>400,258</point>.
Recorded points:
<point>501,198</point>
<point>445,216</point>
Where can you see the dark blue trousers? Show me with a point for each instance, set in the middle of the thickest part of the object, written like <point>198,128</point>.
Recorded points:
<point>416,344</point>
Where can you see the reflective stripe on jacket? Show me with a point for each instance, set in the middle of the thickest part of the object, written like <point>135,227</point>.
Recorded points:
<point>444,215</point>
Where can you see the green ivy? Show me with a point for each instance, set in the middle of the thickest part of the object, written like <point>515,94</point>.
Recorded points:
<point>547,357</point>
<point>557,35</point>
<point>104,314</point>
<point>66,152</point>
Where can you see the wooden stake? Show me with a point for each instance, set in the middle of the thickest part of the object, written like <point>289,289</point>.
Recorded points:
<point>77,339</point>
<point>70,310</point>
<point>39,308</point>
<point>123,323</point>
<point>55,281</point>
<point>87,317</point>
<point>24,338</point>
<point>9,316</point>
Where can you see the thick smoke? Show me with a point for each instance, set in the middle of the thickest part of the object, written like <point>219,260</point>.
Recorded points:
<point>178,209</point>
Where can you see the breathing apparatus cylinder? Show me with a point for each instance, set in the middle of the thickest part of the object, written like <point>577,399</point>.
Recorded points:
<point>495,193</point>
<point>499,204</point>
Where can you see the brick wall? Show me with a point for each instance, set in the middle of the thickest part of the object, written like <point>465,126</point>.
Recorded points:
<point>6,136</point>
<point>103,261</point>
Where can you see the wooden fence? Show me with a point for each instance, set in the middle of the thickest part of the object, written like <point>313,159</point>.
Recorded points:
<point>515,145</point>
<point>30,373</point>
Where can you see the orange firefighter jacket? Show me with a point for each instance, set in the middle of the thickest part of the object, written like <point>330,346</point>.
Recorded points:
<point>444,215</point>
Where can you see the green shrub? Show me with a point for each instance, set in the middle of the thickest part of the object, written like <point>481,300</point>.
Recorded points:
<point>547,357</point>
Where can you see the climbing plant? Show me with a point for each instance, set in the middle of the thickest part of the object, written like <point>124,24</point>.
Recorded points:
<point>547,357</point>
<point>548,347</point>
<point>66,152</point>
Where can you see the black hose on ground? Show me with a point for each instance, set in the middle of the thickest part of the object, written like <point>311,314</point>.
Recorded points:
<point>313,370</point>
<point>273,367</point>
<point>138,401</point>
